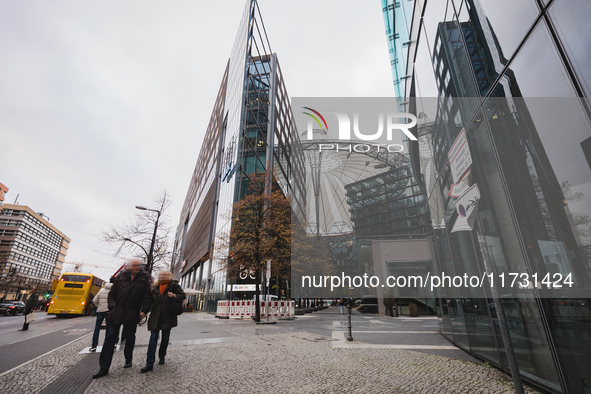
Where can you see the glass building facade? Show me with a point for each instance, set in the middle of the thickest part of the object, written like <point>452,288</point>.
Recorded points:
<point>514,76</point>
<point>251,130</point>
<point>389,204</point>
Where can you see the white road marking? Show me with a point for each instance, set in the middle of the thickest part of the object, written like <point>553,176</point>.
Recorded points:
<point>398,332</point>
<point>340,342</point>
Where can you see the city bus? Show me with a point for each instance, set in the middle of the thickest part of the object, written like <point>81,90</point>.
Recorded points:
<point>73,294</point>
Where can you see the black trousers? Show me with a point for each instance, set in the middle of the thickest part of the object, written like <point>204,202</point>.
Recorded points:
<point>111,338</point>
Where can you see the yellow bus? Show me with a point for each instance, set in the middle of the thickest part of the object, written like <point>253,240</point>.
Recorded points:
<point>74,293</point>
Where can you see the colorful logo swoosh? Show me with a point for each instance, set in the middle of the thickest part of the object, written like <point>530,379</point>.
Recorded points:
<point>325,128</point>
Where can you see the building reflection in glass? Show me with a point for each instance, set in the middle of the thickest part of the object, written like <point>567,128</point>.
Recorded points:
<point>518,97</point>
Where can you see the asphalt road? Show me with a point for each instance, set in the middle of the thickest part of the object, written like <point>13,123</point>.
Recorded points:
<point>45,334</point>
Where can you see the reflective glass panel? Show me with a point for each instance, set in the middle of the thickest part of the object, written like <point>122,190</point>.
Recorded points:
<point>571,19</point>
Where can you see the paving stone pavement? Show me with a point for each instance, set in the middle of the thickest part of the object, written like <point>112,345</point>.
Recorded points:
<point>260,362</point>
<point>39,373</point>
<point>302,363</point>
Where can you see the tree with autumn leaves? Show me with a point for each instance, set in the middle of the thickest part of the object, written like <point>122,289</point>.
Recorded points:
<point>261,231</point>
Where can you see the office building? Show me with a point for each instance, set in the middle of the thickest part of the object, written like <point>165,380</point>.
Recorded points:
<point>32,251</point>
<point>511,79</point>
<point>251,130</point>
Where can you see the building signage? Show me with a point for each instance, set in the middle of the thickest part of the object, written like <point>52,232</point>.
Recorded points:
<point>229,172</point>
<point>241,287</point>
<point>3,189</point>
<point>457,189</point>
<point>459,156</point>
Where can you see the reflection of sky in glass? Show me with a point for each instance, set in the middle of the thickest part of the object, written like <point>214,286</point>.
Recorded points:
<point>509,20</point>
<point>548,78</point>
<point>575,31</point>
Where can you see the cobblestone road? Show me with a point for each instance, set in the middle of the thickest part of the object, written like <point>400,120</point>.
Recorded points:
<point>287,362</point>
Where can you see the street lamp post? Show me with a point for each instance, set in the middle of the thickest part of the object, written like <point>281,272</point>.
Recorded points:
<point>151,251</point>
<point>11,272</point>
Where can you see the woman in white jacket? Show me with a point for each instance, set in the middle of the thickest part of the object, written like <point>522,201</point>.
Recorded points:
<point>100,300</point>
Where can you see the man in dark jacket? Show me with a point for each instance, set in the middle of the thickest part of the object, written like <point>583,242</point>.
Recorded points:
<point>129,301</point>
<point>30,305</point>
<point>163,318</point>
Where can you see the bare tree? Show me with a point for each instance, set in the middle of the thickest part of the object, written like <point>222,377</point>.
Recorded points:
<point>146,236</point>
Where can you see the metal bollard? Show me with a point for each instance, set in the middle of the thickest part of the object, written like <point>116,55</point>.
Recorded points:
<point>350,307</point>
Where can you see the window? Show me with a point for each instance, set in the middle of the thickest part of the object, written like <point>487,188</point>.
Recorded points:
<point>74,278</point>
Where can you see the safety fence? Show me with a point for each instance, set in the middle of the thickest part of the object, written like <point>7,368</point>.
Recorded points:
<point>246,309</point>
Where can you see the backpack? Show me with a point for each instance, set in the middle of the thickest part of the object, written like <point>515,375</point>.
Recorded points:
<point>176,307</point>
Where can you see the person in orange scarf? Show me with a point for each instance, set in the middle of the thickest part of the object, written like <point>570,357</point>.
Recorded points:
<point>167,297</point>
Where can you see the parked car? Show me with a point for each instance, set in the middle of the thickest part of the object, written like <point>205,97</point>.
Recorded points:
<point>12,307</point>
<point>4,306</point>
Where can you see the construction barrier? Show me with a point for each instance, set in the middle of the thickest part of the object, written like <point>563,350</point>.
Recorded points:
<point>246,309</point>
<point>571,310</point>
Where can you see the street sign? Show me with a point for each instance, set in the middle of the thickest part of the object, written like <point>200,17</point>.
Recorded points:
<point>458,189</point>
<point>268,271</point>
<point>459,157</point>
<point>466,205</point>
<point>241,287</point>
<point>3,190</point>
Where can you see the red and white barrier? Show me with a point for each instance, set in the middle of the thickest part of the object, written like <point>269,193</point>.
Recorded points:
<point>571,310</point>
<point>246,309</point>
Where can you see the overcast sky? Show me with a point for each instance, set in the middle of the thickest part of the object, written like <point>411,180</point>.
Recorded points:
<point>104,104</point>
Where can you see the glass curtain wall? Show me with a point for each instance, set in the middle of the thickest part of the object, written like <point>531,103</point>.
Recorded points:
<point>249,136</point>
<point>497,70</point>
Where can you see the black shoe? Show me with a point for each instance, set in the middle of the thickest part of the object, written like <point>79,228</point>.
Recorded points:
<point>24,329</point>
<point>101,373</point>
<point>161,361</point>
<point>92,349</point>
<point>147,368</point>
<point>127,364</point>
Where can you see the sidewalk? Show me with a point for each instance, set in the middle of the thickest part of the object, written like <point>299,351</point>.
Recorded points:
<point>228,356</point>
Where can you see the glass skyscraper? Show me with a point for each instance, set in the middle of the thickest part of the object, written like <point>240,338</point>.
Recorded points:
<point>251,130</point>
<point>513,76</point>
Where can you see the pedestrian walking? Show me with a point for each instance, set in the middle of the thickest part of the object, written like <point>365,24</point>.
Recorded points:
<point>101,302</point>
<point>167,298</point>
<point>129,301</point>
<point>342,305</point>
<point>30,306</point>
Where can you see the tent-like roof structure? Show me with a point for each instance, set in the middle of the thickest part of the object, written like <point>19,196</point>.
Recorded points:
<point>329,171</point>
